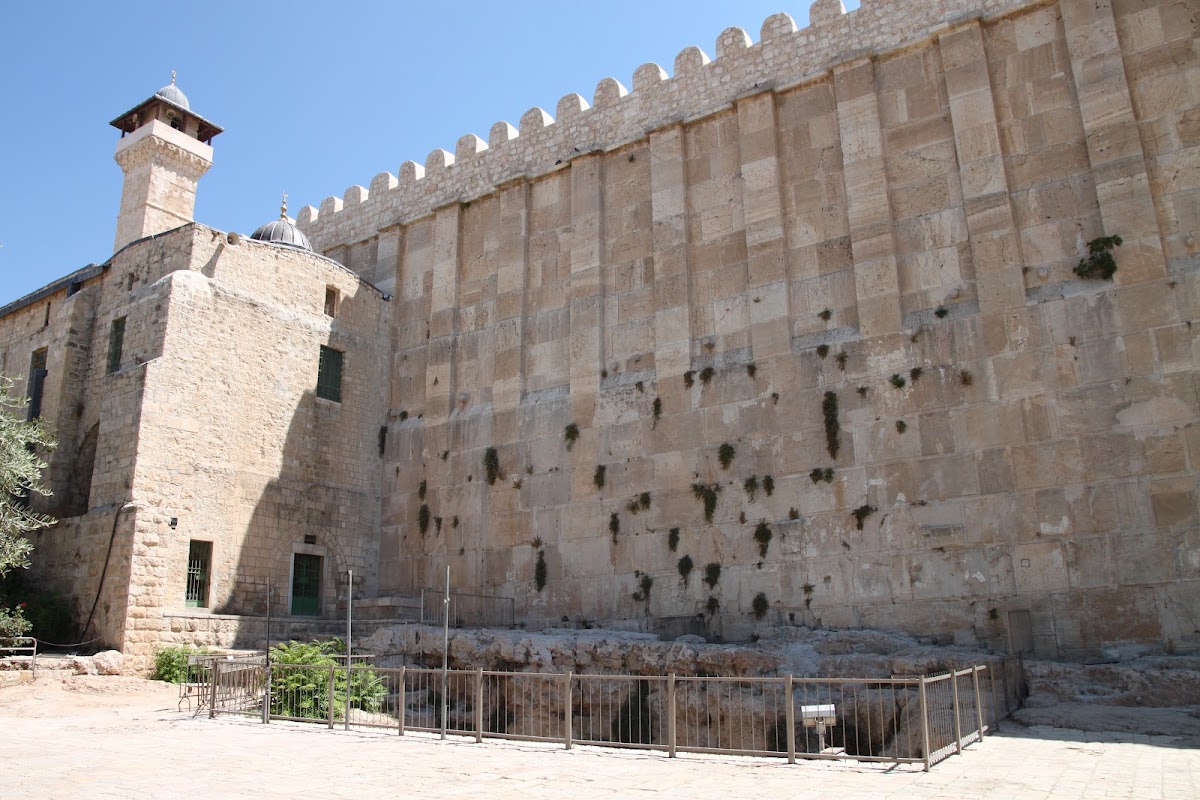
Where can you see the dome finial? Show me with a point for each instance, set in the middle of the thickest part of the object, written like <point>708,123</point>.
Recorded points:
<point>283,207</point>
<point>172,77</point>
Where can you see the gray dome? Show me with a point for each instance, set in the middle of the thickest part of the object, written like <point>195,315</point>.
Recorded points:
<point>172,94</point>
<point>282,231</point>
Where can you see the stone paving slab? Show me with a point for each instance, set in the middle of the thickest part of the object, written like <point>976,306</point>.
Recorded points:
<point>152,752</point>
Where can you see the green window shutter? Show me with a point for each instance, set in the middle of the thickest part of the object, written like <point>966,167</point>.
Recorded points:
<point>116,342</point>
<point>329,374</point>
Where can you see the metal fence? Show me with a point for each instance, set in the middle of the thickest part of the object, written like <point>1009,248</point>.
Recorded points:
<point>904,719</point>
<point>468,610</point>
<point>19,649</point>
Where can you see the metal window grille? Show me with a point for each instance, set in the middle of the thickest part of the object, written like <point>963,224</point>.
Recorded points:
<point>329,374</point>
<point>199,559</point>
<point>116,342</point>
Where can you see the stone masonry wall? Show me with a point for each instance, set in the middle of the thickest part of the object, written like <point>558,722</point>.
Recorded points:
<point>895,194</point>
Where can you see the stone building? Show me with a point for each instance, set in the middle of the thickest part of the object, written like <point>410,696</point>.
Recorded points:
<point>822,284</point>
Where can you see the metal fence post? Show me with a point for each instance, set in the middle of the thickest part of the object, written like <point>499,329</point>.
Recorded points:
<point>266,709</point>
<point>214,677</point>
<point>957,712</point>
<point>790,718</point>
<point>568,710</point>
<point>401,701</point>
<point>671,715</point>
<point>994,724</point>
<point>332,695</point>
<point>925,722</point>
<point>479,704</point>
<point>978,702</point>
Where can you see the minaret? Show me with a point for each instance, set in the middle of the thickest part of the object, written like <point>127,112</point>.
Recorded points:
<point>164,150</point>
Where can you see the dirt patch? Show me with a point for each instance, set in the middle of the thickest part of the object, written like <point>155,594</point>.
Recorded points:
<point>55,695</point>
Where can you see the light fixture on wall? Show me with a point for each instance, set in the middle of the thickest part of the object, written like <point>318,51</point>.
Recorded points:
<point>174,523</point>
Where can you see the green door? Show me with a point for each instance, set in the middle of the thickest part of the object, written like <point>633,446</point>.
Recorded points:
<point>306,585</point>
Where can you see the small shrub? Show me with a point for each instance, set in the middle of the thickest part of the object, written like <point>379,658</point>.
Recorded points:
<point>898,381</point>
<point>170,662</point>
<point>491,463</point>
<point>712,574</point>
<point>762,535</point>
<point>685,568</point>
<point>760,605</point>
<point>712,605</point>
<point>862,391</point>
<point>808,588</point>
<point>775,398</point>
<point>901,426</point>
<point>941,312</point>
<point>751,370</point>
<point>632,507</point>
<point>598,476</point>
<point>1099,263</point>
<point>707,493</point>
<point>915,373</point>
<point>614,525</point>
<point>421,491</point>
<point>825,315</point>
<point>829,408</point>
<point>689,379</point>
<point>644,500</point>
<point>642,595</point>
<point>742,518</point>
<point>793,513</point>
<point>966,378</point>
<point>571,433</point>
<point>822,350</point>
<point>768,484</point>
<point>444,455</point>
<point>725,454</point>
<point>640,386</point>
<point>539,571</point>
<point>673,539</point>
<point>423,518</point>
<point>657,411</point>
<point>841,359</point>
<point>295,693</point>
<point>706,375</point>
<point>750,485</point>
<point>861,513</point>
<point>14,624</point>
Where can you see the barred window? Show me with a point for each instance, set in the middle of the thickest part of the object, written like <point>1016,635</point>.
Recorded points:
<point>116,342</point>
<point>329,374</point>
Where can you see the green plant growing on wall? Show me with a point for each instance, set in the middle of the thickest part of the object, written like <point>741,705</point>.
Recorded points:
<point>657,411</point>
<point>614,525</point>
<point>491,463</point>
<point>712,605</point>
<point>966,378</point>
<point>825,315</point>
<point>862,391</point>
<point>841,359</point>
<point>643,501</point>
<point>444,455</point>
<point>708,494</point>
<point>774,398</point>
<point>940,312</point>
<point>598,476</point>
<point>819,474</point>
<point>760,605</point>
<point>712,574</point>
<point>689,379</point>
<point>632,507</point>
<point>539,571</point>
<point>1099,263</point>
<point>762,535</point>
<point>822,350</point>
<point>768,484</point>
<point>901,426</point>
<point>829,409</point>
<point>640,386</point>
<point>421,491</point>
<point>751,370</point>
<point>706,375</point>
<point>915,374</point>
<point>673,539</point>
<point>750,485</point>
<point>898,381</point>
<point>685,568</point>
<point>423,518</point>
<point>725,454</point>
<point>861,513</point>
<point>793,513</point>
<point>571,434</point>
<point>642,595</point>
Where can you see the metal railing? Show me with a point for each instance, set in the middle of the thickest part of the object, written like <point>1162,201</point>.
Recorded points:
<point>19,648</point>
<point>903,719</point>
<point>468,610</point>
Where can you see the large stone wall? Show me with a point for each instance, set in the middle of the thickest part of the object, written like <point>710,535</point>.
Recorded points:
<point>898,191</point>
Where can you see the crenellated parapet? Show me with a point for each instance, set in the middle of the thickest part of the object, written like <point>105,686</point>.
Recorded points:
<point>783,55</point>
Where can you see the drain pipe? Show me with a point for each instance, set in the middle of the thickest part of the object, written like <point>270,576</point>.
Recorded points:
<point>104,571</point>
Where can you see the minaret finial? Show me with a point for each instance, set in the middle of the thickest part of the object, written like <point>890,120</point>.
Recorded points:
<point>283,207</point>
<point>172,77</point>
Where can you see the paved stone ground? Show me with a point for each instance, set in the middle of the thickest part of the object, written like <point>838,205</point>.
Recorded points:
<point>93,741</point>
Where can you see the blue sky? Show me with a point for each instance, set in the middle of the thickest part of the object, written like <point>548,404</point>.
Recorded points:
<point>314,97</point>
